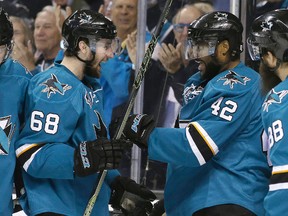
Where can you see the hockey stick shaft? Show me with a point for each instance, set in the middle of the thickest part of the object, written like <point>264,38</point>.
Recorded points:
<point>93,199</point>
<point>144,66</point>
<point>136,85</point>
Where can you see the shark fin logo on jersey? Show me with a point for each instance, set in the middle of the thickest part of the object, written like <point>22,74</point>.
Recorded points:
<point>233,78</point>
<point>266,26</point>
<point>191,91</point>
<point>100,130</point>
<point>53,86</point>
<point>274,97</point>
<point>6,133</point>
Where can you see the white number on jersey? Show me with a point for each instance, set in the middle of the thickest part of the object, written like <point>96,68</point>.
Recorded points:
<point>275,132</point>
<point>50,125</point>
<point>226,111</point>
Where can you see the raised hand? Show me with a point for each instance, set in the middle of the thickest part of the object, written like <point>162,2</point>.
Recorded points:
<point>170,57</point>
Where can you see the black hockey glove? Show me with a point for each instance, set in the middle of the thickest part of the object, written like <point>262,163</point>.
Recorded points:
<point>138,129</point>
<point>158,209</point>
<point>93,156</point>
<point>132,198</point>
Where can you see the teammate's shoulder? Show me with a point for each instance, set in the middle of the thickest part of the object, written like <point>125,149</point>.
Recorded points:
<point>276,98</point>
<point>14,68</point>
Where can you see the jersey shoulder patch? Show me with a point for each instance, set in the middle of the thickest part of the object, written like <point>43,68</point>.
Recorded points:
<point>54,84</point>
<point>240,78</point>
<point>275,96</point>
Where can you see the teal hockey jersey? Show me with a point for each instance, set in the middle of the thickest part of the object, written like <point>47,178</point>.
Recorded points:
<point>274,116</point>
<point>14,79</point>
<point>217,156</point>
<point>62,112</point>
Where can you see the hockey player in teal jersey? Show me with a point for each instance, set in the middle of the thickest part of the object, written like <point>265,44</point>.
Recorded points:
<point>268,42</point>
<point>64,143</point>
<point>216,161</point>
<point>14,80</point>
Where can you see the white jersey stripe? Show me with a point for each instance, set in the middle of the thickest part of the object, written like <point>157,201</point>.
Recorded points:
<point>280,169</point>
<point>194,148</point>
<point>28,162</point>
<point>278,186</point>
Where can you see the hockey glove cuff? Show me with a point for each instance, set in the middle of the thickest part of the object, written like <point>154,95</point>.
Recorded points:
<point>158,208</point>
<point>93,156</point>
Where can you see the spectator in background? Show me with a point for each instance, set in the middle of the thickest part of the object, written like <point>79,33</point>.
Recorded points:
<point>47,37</point>
<point>18,9</point>
<point>22,33</point>
<point>118,72</point>
<point>39,52</point>
<point>36,6</point>
<point>106,7</point>
<point>204,6</point>
<point>74,4</point>
<point>153,15</point>
<point>23,49</point>
<point>94,5</point>
<point>62,3</point>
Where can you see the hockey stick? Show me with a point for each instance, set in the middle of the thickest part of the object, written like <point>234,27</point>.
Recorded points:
<point>136,85</point>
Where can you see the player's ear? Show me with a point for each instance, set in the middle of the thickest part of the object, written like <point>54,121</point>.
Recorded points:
<point>224,47</point>
<point>82,46</point>
<point>270,59</point>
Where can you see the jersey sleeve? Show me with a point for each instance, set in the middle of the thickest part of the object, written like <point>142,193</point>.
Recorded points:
<point>218,120</point>
<point>116,74</point>
<point>42,148</point>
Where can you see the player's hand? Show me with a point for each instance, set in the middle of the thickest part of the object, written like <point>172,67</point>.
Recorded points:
<point>93,156</point>
<point>132,198</point>
<point>138,129</point>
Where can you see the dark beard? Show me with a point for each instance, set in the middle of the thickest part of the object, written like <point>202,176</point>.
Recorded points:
<point>92,72</point>
<point>211,70</point>
<point>269,78</point>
